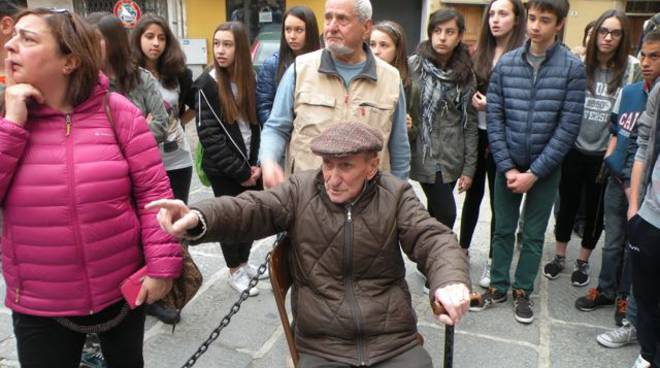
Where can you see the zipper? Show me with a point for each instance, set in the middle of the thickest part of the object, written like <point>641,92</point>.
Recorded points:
<point>528,154</point>
<point>18,295</point>
<point>74,209</point>
<point>348,281</point>
<point>67,125</point>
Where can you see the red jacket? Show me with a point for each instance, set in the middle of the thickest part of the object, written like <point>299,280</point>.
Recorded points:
<point>74,220</point>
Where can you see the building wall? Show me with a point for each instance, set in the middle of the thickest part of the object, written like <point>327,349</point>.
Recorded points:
<point>202,16</point>
<point>318,6</point>
<point>582,12</point>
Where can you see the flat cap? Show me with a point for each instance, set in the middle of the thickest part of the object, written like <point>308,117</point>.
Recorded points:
<point>345,139</point>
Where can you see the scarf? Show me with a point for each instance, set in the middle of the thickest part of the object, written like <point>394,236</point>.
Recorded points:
<point>434,86</point>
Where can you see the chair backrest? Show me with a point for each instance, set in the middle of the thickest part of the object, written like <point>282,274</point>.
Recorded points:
<point>280,279</point>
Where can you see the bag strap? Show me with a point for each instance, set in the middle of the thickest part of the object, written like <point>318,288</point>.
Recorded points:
<point>108,114</point>
<point>98,328</point>
<point>217,118</point>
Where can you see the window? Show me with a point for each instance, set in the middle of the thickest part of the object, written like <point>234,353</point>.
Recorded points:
<point>259,16</point>
<point>84,7</point>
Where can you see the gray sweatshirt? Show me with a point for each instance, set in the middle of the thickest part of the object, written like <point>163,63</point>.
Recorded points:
<point>594,133</point>
<point>647,132</point>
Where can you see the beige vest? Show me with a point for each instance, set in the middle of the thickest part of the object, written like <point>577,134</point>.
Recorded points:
<point>321,100</point>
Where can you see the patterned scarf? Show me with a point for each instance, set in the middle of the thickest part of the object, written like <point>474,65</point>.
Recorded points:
<point>434,86</point>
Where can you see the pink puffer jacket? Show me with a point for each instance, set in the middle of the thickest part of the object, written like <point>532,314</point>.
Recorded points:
<point>74,214</point>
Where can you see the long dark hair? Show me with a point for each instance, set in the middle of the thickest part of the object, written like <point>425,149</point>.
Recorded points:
<point>172,62</point>
<point>244,105</point>
<point>76,38</point>
<point>312,43</point>
<point>485,53</point>
<point>459,62</point>
<point>395,32</point>
<point>619,61</point>
<point>118,60</point>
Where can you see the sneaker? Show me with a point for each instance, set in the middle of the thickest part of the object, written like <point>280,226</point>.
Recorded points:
<point>641,363</point>
<point>484,282</point>
<point>522,307</point>
<point>240,281</point>
<point>594,299</point>
<point>620,311</point>
<point>580,276</point>
<point>624,335</point>
<point>552,269</point>
<point>253,270</point>
<point>92,357</point>
<point>488,298</point>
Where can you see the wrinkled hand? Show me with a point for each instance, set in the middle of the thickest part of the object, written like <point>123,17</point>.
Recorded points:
<point>149,118</point>
<point>464,183</point>
<point>17,96</point>
<point>174,216</point>
<point>153,290</point>
<point>272,173</point>
<point>522,182</point>
<point>455,298</point>
<point>479,101</point>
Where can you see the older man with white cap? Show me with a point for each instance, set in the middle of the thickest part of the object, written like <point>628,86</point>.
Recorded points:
<point>347,222</point>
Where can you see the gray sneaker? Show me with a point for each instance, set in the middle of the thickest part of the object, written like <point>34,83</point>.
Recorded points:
<point>552,269</point>
<point>624,335</point>
<point>580,276</point>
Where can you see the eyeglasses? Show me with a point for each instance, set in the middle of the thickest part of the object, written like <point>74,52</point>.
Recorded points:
<point>615,33</point>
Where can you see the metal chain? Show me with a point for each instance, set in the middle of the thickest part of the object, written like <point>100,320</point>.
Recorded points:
<point>232,311</point>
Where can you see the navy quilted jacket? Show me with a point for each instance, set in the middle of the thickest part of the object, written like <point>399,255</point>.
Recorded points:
<point>266,87</point>
<point>532,124</point>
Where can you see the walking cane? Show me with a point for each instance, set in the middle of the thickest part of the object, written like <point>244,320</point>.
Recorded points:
<point>439,309</point>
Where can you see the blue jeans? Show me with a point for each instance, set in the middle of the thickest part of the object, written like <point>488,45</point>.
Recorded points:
<point>615,275</point>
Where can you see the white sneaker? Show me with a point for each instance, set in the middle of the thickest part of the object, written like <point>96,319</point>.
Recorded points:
<point>641,363</point>
<point>484,282</point>
<point>624,335</point>
<point>253,270</point>
<point>240,281</point>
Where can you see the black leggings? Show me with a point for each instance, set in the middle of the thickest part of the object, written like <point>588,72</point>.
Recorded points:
<point>440,200</point>
<point>474,195</point>
<point>180,182</point>
<point>44,343</point>
<point>235,253</point>
<point>578,177</point>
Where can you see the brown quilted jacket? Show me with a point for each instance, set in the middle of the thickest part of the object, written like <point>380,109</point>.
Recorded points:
<point>350,299</point>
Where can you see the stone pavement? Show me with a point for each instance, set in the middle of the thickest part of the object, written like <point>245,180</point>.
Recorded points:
<point>561,336</point>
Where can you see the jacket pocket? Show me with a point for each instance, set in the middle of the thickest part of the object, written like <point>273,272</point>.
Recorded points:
<point>374,113</point>
<point>312,110</point>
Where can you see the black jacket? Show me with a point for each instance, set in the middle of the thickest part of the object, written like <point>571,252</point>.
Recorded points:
<point>224,150</point>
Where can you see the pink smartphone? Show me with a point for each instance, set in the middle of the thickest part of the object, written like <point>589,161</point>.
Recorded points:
<point>130,288</point>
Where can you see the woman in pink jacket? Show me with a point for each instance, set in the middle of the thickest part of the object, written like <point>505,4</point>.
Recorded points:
<point>73,182</point>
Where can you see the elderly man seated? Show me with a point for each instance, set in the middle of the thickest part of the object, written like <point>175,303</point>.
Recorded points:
<point>347,222</point>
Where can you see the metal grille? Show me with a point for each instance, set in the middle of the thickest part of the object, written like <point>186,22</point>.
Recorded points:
<point>84,7</point>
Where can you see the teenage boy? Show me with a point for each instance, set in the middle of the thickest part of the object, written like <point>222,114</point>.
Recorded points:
<point>614,277</point>
<point>535,103</point>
